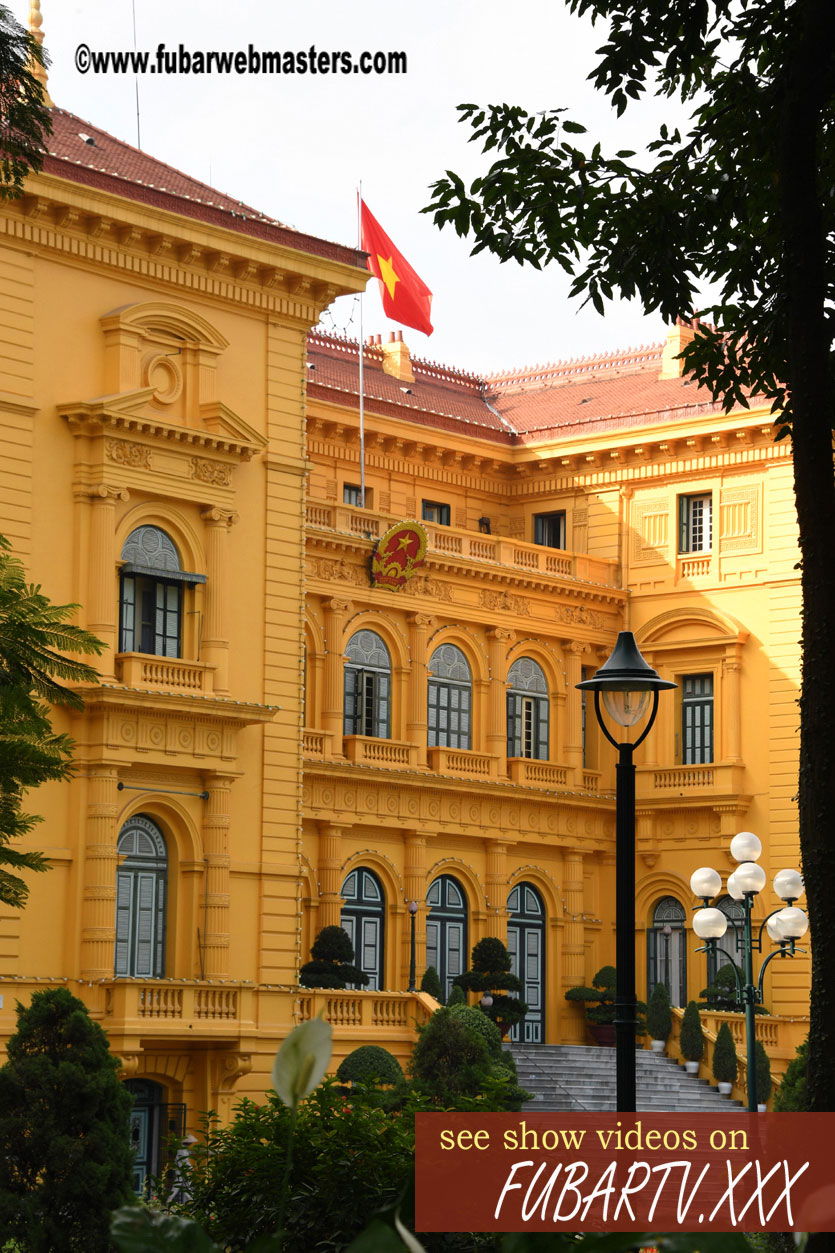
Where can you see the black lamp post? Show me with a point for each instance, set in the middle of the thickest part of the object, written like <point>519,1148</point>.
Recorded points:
<point>413,908</point>
<point>626,683</point>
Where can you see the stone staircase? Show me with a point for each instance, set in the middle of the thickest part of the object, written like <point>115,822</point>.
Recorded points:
<point>577,1077</point>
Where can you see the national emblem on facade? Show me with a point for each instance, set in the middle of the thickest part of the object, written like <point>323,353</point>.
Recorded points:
<point>398,554</point>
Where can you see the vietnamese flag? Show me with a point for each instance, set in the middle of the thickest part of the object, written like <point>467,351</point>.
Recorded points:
<point>406,298</point>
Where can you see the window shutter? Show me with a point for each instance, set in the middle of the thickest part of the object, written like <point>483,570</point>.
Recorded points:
<point>145,918</point>
<point>159,955</point>
<point>542,730</point>
<point>381,705</point>
<point>683,520</point>
<point>124,895</point>
<point>128,614</point>
<point>432,715</point>
<point>514,725</point>
<point>349,717</point>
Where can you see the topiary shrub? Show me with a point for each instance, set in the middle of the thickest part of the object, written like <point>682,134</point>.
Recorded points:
<point>370,1064</point>
<point>659,1018</point>
<point>453,1065</point>
<point>762,1072</point>
<point>456,997</point>
<point>490,972</point>
<point>332,965</point>
<point>790,1097</point>
<point>600,998</point>
<point>724,1056</point>
<point>692,1041</point>
<point>431,984</point>
<point>476,1020</point>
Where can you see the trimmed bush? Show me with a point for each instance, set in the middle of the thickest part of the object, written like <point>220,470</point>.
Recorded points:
<point>476,1020</point>
<point>659,1018</point>
<point>790,1097</point>
<point>724,1056</point>
<point>692,1042</point>
<point>762,1072</point>
<point>431,984</point>
<point>600,998</point>
<point>456,997</point>
<point>490,972</point>
<point>369,1064</point>
<point>332,965</point>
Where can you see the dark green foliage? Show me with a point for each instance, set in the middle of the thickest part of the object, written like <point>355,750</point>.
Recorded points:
<point>370,1064</point>
<point>790,1097</point>
<point>476,1020</point>
<point>332,965</point>
<point>458,1063</point>
<point>431,984</point>
<point>723,993</point>
<point>27,121</point>
<point>724,1056</point>
<point>34,636</point>
<point>762,1072</point>
<point>659,1018</point>
<point>600,998</point>
<point>490,972</point>
<point>692,1041</point>
<point>456,997</point>
<point>65,1157</point>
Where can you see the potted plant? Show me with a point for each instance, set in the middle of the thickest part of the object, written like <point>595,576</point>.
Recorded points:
<point>763,1075</point>
<point>659,1018</point>
<point>724,1060</point>
<point>431,984</point>
<point>692,1040</point>
<point>490,974</point>
<point>600,1005</point>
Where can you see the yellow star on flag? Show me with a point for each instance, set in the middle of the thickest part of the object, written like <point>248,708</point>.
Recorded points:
<point>387,274</point>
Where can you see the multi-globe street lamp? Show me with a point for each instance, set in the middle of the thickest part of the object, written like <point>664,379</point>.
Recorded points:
<point>626,682</point>
<point>785,926</point>
<point>413,908</point>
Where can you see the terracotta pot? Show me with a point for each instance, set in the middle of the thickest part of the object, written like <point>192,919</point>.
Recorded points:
<point>604,1033</point>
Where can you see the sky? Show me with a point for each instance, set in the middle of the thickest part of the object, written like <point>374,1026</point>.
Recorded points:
<point>296,147</point>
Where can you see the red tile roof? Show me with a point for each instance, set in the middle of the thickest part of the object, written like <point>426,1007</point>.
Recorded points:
<point>561,400</point>
<point>112,165</point>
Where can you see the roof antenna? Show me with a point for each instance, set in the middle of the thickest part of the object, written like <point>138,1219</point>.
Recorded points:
<point>38,69</point>
<point>135,79</point>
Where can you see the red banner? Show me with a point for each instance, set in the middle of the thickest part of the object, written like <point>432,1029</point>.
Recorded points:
<point>624,1172</point>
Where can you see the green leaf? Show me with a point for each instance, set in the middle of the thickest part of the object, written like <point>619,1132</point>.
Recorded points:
<point>301,1062</point>
<point>137,1230</point>
<point>573,128</point>
<point>379,1238</point>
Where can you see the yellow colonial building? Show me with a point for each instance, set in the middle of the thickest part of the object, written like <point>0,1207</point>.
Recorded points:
<point>277,743</point>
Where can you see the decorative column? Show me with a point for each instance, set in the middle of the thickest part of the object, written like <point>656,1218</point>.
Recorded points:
<point>416,885</point>
<point>98,908</point>
<point>573,947</point>
<point>215,914</point>
<point>330,874</point>
<point>102,594</point>
<point>215,644</point>
<point>416,725</point>
<point>498,642</point>
<point>574,651</point>
<point>496,885</point>
<point>732,749</point>
<point>336,611</point>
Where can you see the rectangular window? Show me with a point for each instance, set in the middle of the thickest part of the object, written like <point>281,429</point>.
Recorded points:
<point>549,529</point>
<point>695,529</point>
<point>151,616</point>
<point>433,511</point>
<point>527,726</point>
<point>352,495</point>
<point>366,703</point>
<point>696,719</point>
<point>449,716</point>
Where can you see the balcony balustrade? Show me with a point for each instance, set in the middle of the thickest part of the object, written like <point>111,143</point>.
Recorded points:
<point>462,763</point>
<point>164,674</point>
<point>535,773</point>
<point>369,751</point>
<point>693,782</point>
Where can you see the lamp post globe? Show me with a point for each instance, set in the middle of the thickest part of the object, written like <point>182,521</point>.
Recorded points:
<point>788,885</point>
<point>745,846</point>
<point>705,882</point>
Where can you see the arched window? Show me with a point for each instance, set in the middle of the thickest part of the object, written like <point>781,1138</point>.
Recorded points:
<point>367,709</point>
<point>526,945</point>
<point>667,950</point>
<point>141,882</point>
<point>363,917</point>
<point>725,950</point>
<point>446,929</point>
<point>527,710</point>
<point>151,601</point>
<point>450,694</point>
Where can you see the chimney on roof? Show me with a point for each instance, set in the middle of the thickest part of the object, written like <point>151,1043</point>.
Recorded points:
<point>38,69</point>
<point>678,337</point>
<point>396,359</point>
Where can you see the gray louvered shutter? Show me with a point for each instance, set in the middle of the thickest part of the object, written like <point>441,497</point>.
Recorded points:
<point>542,729</point>
<point>349,717</point>
<point>514,725</point>
<point>124,901</point>
<point>382,701</point>
<point>145,925</point>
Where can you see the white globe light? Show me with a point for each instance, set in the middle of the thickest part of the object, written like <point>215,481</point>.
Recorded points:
<point>705,882</point>
<point>735,892</point>
<point>750,877</point>
<point>792,923</point>
<point>788,885</point>
<point>710,924</point>
<point>773,929</point>
<point>746,846</point>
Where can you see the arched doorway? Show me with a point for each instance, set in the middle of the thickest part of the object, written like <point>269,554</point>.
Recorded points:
<point>526,945</point>
<point>667,950</point>
<point>154,1122</point>
<point>446,930</point>
<point>141,883</point>
<point>363,917</point>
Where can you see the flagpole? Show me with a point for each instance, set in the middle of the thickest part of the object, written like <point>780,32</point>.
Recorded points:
<point>362,361</point>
